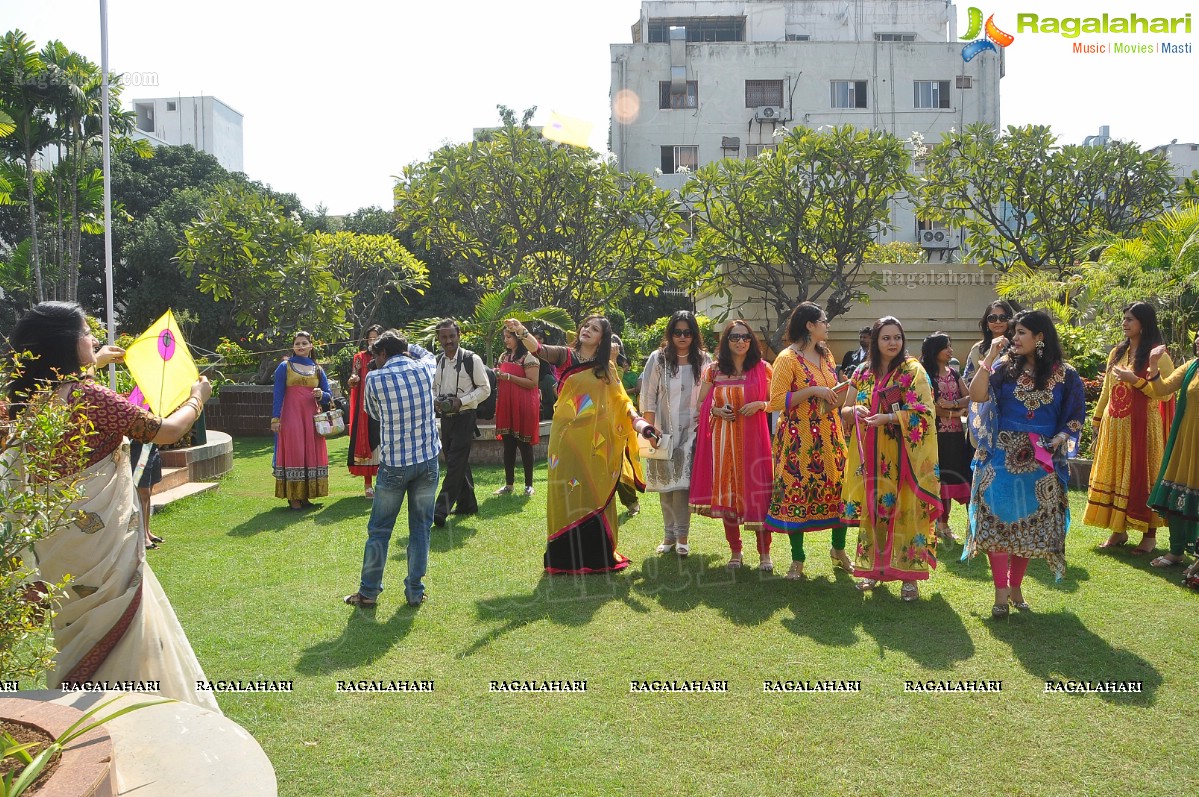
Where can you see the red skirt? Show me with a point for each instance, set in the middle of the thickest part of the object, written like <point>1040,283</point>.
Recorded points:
<point>517,409</point>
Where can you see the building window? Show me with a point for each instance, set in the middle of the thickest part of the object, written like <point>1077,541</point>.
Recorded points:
<point>965,82</point>
<point>763,92</point>
<point>171,106</point>
<point>931,94</point>
<point>849,93</point>
<point>668,100</point>
<point>895,37</point>
<point>699,29</point>
<point>754,150</point>
<point>676,157</point>
<point>798,37</point>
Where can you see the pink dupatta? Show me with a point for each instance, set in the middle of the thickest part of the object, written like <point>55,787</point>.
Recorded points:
<point>755,456</point>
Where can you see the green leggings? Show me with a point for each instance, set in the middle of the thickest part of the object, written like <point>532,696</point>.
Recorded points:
<point>1182,534</point>
<point>797,554</point>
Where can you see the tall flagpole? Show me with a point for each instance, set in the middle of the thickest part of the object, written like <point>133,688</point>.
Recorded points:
<point>106,138</point>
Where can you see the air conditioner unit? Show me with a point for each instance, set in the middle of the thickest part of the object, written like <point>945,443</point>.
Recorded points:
<point>768,113</point>
<point>938,239</point>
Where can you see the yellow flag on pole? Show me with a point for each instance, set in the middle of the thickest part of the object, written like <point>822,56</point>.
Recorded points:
<point>568,130</point>
<point>162,366</point>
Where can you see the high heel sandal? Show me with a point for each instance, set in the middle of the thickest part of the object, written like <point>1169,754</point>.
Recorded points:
<point>665,547</point>
<point>909,591</point>
<point>682,549</point>
<point>1151,539</point>
<point>765,565</point>
<point>1116,540</point>
<point>841,560</point>
<point>734,562</point>
<point>796,571</point>
<point>999,612</point>
<point>866,584</point>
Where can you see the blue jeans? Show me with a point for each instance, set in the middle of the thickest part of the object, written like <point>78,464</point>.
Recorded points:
<point>419,483</point>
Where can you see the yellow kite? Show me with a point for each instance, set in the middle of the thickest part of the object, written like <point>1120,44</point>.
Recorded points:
<point>568,130</point>
<point>162,366</point>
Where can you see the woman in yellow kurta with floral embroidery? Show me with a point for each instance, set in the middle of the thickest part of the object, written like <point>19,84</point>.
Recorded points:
<point>1129,437</point>
<point>809,447</point>
<point>892,491</point>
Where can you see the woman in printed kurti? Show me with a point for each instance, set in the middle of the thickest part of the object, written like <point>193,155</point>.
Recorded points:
<point>809,447</point>
<point>1129,436</point>
<point>1018,507</point>
<point>891,491</point>
<point>364,430</point>
<point>733,473</point>
<point>113,622</point>
<point>301,459</point>
<point>592,436</point>
<point>954,452</point>
<point>670,401</point>
<point>1176,496</point>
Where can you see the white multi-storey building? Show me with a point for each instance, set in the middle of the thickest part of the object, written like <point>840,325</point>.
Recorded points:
<point>205,123</point>
<point>711,79</point>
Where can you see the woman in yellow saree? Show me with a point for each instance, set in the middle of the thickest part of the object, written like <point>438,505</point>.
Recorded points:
<point>593,437</point>
<point>892,486</point>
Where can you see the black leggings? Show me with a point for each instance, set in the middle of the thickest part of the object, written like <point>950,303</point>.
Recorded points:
<point>526,458</point>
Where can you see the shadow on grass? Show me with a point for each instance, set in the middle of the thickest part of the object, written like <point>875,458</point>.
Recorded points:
<point>456,533</point>
<point>929,631</point>
<point>279,518</point>
<point>562,600</point>
<point>745,596</point>
<point>339,510</point>
<point>1058,647</point>
<point>978,570</point>
<point>362,641</point>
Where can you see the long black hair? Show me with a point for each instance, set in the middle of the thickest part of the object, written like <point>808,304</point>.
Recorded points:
<point>797,325</point>
<point>933,345</point>
<point>519,353</point>
<point>985,328</point>
<point>695,353</point>
<point>876,354</point>
<point>376,328</point>
<point>1037,322</point>
<point>724,352</point>
<point>603,351</point>
<point>44,350</point>
<point>1151,335</point>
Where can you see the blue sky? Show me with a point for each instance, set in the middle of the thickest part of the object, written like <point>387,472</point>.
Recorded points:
<point>337,97</point>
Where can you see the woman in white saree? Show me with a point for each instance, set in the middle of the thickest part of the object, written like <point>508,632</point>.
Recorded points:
<point>115,623</point>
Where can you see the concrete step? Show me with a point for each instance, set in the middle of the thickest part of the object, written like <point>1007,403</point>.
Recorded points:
<point>159,500</point>
<point>171,478</point>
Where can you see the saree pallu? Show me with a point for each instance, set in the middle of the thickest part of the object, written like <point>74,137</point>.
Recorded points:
<point>1177,491</point>
<point>734,474</point>
<point>364,430</point>
<point>892,488</point>
<point>115,623</point>
<point>591,441</point>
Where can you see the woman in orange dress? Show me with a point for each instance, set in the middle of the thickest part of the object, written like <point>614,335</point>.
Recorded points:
<point>364,430</point>
<point>733,473</point>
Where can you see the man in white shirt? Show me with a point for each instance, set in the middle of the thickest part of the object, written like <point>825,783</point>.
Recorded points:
<point>461,384</point>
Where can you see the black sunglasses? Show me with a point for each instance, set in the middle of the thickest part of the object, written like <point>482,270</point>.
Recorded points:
<point>681,333</point>
<point>739,337</point>
<point>995,318</point>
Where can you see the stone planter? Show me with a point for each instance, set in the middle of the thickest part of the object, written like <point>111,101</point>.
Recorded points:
<point>86,766</point>
<point>1080,474</point>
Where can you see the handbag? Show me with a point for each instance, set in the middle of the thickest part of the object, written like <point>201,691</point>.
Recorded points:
<point>330,423</point>
<point>664,450</point>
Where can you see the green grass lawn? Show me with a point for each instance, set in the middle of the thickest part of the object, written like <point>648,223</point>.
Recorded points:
<point>258,589</point>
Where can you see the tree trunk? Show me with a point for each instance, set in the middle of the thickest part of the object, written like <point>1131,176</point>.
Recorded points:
<point>37,264</point>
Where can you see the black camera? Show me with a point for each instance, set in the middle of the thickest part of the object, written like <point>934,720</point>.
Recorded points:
<point>444,405</point>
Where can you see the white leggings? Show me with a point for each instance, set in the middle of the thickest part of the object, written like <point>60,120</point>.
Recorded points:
<point>676,515</point>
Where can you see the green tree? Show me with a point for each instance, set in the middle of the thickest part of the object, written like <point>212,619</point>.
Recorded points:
<point>245,250</point>
<point>795,224</point>
<point>515,204</point>
<point>1023,199</point>
<point>370,267</point>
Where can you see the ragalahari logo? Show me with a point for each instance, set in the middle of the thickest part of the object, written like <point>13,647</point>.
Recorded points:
<point>994,36</point>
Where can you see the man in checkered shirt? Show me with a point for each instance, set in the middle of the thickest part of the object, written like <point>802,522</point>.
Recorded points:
<point>399,395</point>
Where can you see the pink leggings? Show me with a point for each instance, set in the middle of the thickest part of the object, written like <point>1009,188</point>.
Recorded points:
<point>732,533</point>
<point>1007,570</point>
